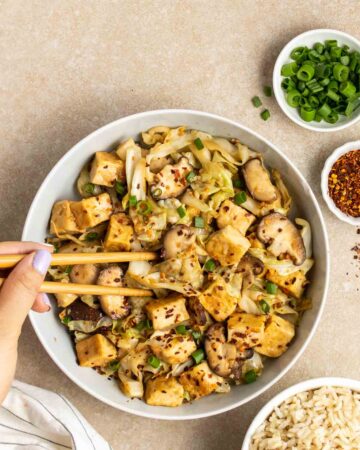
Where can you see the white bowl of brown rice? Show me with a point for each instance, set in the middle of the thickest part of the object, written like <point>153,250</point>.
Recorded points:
<point>321,413</point>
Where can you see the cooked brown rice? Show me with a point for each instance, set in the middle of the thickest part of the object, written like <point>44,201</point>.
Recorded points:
<point>327,418</point>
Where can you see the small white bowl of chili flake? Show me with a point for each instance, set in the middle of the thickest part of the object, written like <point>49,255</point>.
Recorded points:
<point>340,182</point>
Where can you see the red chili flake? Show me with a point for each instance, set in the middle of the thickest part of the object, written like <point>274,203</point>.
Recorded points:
<point>344,183</point>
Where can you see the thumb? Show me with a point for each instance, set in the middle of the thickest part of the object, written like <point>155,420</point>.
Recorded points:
<point>20,289</point>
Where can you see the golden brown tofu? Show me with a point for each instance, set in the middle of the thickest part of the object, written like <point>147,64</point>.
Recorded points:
<point>119,234</point>
<point>238,217</point>
<point>172,348</point>
<point>254,241</point>
<point>95,351</point>
<point>91,211</point>
<point>165,313</point>
<point>115,306</point>
<point>199,380</point>
<point>62,219</point>
<point>106,168</point>
<point>277,336</point>
<point>293,284</point>
<point>246,330</point>
<point>227,246</point>
<point>217,300</point>
<point>163,391</point>
<point>64,300</point>
<point>129,387</point>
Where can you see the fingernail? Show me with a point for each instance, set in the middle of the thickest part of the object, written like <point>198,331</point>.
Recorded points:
<point>41,261</point>
<point>46,301</point>
<point>47,245</point>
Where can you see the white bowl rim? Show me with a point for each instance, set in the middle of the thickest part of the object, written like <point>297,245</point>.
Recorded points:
<point>333,157</point>
<point>67,156</point>
<point>277,78</point>
<point>306,385</point>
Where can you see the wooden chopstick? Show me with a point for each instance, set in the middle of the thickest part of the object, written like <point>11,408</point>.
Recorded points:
<point>69,259</point>
<point>56,287</point>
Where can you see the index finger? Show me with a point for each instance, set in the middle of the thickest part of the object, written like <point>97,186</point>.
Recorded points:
<point>21,248</point>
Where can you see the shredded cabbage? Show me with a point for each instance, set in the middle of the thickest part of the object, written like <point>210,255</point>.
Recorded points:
<point>306,235</point>
<point>88,326</point>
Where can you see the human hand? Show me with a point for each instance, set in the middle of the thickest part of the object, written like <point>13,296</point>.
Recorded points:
<point>19,294</point>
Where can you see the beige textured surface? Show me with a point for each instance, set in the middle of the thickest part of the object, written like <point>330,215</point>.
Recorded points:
<point>68,67</point>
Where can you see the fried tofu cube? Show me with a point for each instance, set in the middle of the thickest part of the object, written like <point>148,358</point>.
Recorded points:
<point>277,336</point>
<point>95,351</point>
<point>119,234</point>
<point>227,246</point>
<point>293,284</point>
<point>129,387</point>
<point>91,211</point>
<point>254,241</point>
<point>172,348</point>
<point>165,313</point>
<point>62,219</point>
<point>163,391</point>
<point>246,330</point>
<point>199,381</point>
<point>106,168</point>
<point>217,300</point>
<point>64,300</point>
<point>238,217</point>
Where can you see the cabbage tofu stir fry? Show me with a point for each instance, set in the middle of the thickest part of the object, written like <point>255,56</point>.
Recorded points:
<point>230,276</point>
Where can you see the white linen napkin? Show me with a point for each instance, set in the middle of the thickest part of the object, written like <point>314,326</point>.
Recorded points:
<point>32,418</point>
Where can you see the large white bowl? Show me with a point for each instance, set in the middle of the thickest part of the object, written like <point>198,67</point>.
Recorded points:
<point>59,184</point>
<point>309,38</point>
<point>308,385</point>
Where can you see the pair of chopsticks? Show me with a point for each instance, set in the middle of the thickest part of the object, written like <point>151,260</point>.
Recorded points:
<point>70,259</point>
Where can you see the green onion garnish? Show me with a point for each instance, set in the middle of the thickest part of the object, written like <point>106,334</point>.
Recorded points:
<point>199,222</point>
<point>256,101</point>
<point>267,91</point>
<point>120,188</point>
<point>143,324</point>
<point>156,193</point>
<point>240,197</point>
<point>250,376</point>
<point>132,200</point>
<point>92,236</point>
<point>265,115</point>
<point>68,269</point>
<point>264,305</point>
<point>198,355</point>
<point>239,184</point>
<point>181,329</point>
<point>114,365</point>
<point>198,144</point>
<point>181,211</point>
<point>154,361</point>
<point>89,188</point>
<point>271,288</point>
<point>210,265</point>
<point>65,320</point>
<point>144,207</point>
<point>196,334</point>
<point>190,177</point>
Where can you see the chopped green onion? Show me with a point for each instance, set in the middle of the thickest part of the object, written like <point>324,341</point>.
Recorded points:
<point>210,265</point>
<point>114,365</point>
<point>265,115</point>
<point>341,72</point>
<point>306,72</point>
<point>324,82</point>
<point>92,236</point>
<point>181,211</point>
<point>120,188</point>
<point>331,43</point>
<point>156,193</point>
<point>293,98</point>
<point>199,222</point>
<point>333,117</point>
<point>239,184</point>
<point>143,324</point>
<point>198,355</point>
<point>289,69</point>
<point>319,47</point>
<point>264,305</point>
<point>240,197</point>
<point>307,113</point>
<point>250,376</point>
<point>65,320</point>
<point>345,60</point>
<point>271,288</point>
<point>132,200</point>
<point>68,269</point>
<point>190,177</point>
<point>298,53</point>
<point>89,188</point>
<point>256,101</point>
<point>324,110</point>
<point>181,329</point>
<point>196,334</point>
<point>347,88</point>
<point>198,144</point>
<point>267,91</point>
<point>154,361</point>
<point>333,95</point>
<point>144,208</point>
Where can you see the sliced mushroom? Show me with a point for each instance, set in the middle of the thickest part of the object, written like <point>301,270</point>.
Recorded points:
<point>177,240</point>
<point>220,354</point>
<point>198,312</point>
<point>258,181</point>
<point>171,180</point>
<point>249,267</point>
<point>80,311</point>
<point>84,274</point>
<point>282,237</point>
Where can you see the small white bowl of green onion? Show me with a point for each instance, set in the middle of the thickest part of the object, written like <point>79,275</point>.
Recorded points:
<point>316,80</point>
